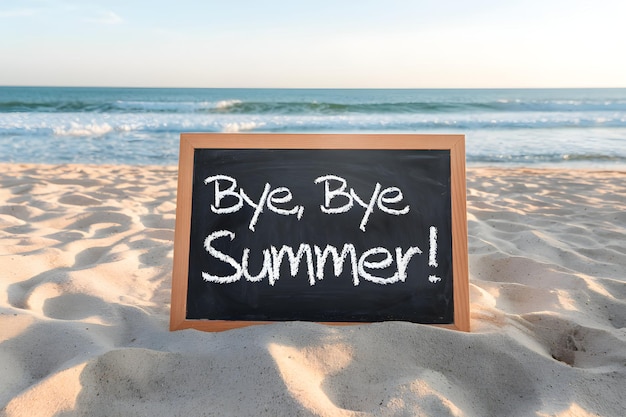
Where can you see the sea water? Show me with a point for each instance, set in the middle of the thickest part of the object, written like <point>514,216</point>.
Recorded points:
<point>503,127</point>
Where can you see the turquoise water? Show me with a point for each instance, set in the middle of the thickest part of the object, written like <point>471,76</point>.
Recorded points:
<point>543,127</point>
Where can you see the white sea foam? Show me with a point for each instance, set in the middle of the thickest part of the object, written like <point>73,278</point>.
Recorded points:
<point>77,129</point>
<point>224,104</point>
<point>235,127</point>
<point>93,124</point>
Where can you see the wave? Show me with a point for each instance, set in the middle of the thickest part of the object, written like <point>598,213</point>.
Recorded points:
<point>237,106</point>
<point>62,106</point>
<point>226,104</point>
<point>73,124</point>
<point>333,108</point>
<point>117,106</point>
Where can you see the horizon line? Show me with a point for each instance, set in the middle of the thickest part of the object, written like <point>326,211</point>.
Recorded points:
<point>304,88</point>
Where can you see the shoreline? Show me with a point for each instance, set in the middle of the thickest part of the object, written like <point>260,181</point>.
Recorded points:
<point>86,261</point>
<point>469,166</point>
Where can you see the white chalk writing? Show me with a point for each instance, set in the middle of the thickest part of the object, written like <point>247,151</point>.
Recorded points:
<point>273,258</point>
<point>369,265</point>
<point>378,199</point>
<point>432,253</point>
<point>270,198</point>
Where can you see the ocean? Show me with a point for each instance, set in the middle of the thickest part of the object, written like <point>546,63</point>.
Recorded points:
<point>556,128</point>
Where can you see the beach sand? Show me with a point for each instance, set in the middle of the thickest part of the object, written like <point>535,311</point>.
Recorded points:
<point>85,279</point>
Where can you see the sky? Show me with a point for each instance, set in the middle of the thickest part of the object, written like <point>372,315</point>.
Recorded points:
<point>314,44</point>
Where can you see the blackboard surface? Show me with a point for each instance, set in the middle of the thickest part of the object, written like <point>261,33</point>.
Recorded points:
<point>317,234</point>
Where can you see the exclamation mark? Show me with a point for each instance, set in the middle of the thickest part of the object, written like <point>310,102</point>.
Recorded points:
<point>432,254</point>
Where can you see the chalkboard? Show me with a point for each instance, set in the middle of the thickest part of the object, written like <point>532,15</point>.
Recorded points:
<point>323,228</point>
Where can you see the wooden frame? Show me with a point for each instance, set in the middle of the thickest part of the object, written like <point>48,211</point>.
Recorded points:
<point>192,141</point>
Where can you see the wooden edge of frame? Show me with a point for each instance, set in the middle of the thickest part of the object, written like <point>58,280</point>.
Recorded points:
<point>460,267</point>
<point>181,236</point>
<point>191,141</point>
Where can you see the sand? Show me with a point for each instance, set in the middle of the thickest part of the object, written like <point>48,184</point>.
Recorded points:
<point>85,278</point>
